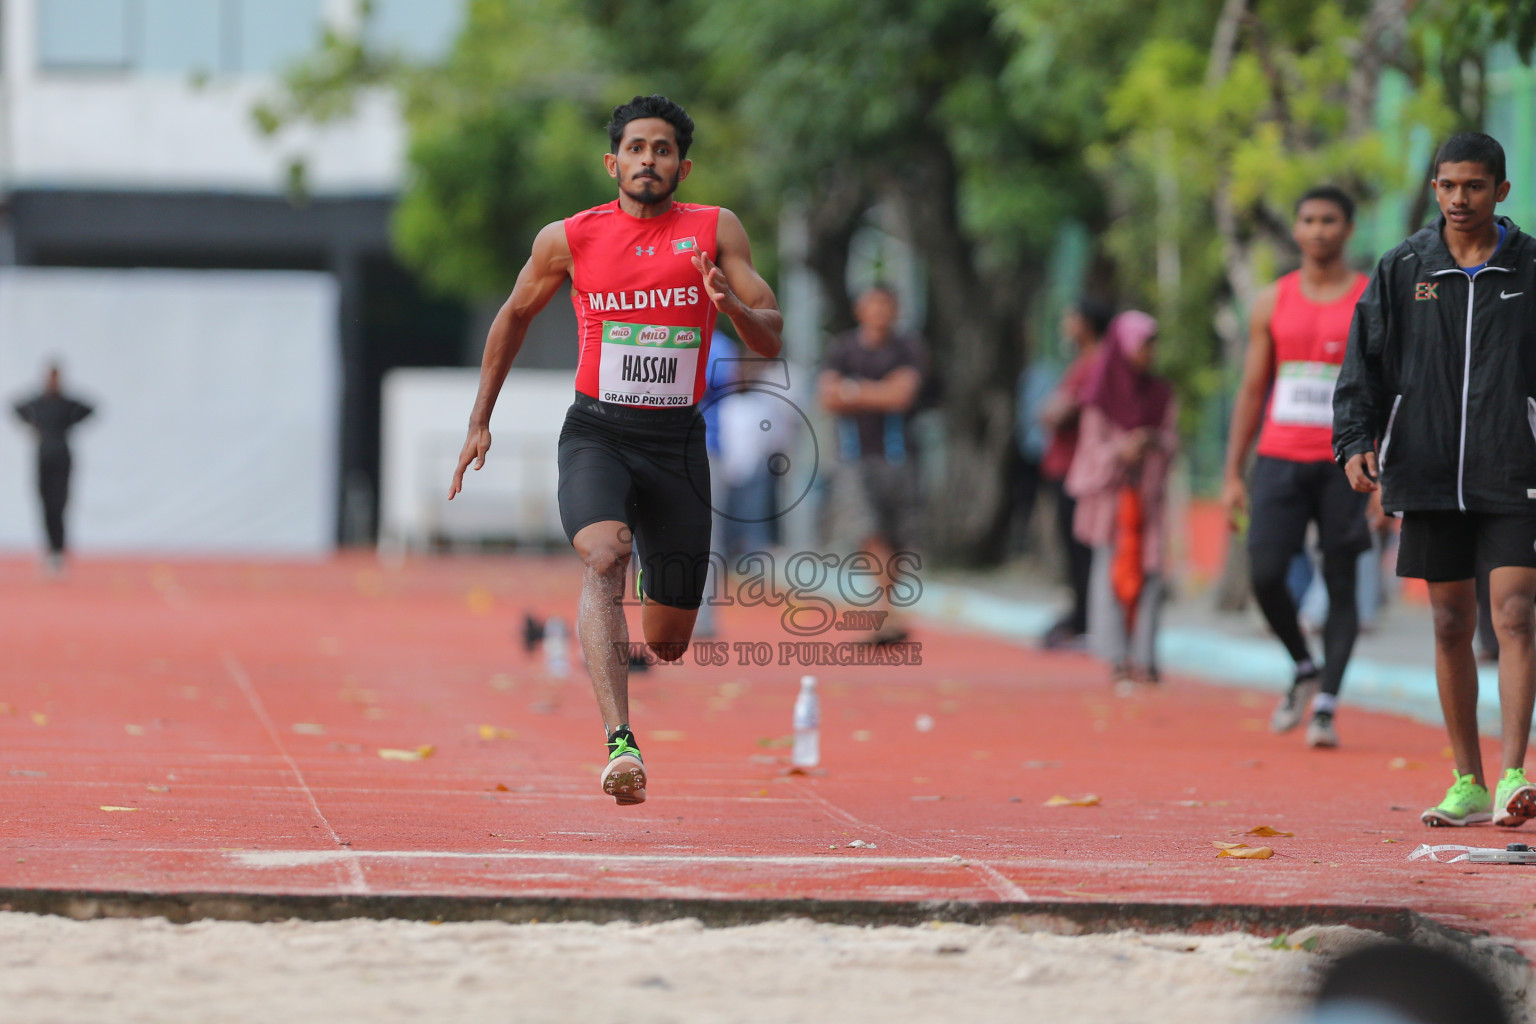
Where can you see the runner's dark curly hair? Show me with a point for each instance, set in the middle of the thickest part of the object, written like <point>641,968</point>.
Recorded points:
<point>651,106</point>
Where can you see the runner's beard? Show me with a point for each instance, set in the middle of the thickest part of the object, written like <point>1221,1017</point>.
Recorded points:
<point>657,190</point>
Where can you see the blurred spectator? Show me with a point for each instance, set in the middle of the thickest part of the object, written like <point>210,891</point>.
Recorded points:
<point>870,383</point>
<point>1395,983</point>
<point>719,378</point>
<point>1084,326</point>
<point>757,434</point>
<point>1030,440</point>
<point>1120,479</point>
<point>52,415</point>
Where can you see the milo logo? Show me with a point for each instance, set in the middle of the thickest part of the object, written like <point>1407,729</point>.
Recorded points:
<point>653,336</point>
<point>619,332</point>
<point>686,337</point>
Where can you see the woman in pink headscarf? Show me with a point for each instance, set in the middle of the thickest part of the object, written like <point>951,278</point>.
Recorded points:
<point>1119,477</point>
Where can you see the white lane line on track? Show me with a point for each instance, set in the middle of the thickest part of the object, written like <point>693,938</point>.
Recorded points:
<point>999,882</point>
<point>306,858</point>
<point>356,882</point>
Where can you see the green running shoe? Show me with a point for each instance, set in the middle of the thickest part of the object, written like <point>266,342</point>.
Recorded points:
<point>1516,800</point>
<point>1465,803</point>
<point>624,778</point>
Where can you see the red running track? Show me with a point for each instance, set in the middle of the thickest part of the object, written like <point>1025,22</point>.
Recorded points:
<point>239,711</point>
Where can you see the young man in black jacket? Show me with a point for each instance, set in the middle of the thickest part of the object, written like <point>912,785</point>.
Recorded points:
<point>1436,405</point>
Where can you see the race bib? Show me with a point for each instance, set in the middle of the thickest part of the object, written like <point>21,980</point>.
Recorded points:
<point>1303,395</point>
<point>648,365</point>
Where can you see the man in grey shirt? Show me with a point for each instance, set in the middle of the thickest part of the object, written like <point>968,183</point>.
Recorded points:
<point>52,415</point>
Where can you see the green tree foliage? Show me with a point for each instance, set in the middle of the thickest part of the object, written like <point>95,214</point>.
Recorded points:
<point>1179,131</point>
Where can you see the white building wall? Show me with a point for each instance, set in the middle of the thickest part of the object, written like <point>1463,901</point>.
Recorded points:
<point>133,130</point>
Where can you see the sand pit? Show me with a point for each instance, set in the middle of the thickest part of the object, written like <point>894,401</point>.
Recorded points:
<point>56,970</point>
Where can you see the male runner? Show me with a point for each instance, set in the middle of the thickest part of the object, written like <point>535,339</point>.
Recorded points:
<point>1435,401</point>
<point>648,275</point>
<point>1296,341</point>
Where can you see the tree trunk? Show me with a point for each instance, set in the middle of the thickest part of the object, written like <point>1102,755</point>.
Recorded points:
<point>1382,36</point>
<point>833,220</point>
<point>972,350</point>
<point>1232,587</point>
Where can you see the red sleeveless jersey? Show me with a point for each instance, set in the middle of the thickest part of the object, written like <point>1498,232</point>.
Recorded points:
<point>1309,342</point>
<point>644,317</point>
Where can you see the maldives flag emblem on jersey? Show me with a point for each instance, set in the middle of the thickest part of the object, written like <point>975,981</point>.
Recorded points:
<point>689,244</point>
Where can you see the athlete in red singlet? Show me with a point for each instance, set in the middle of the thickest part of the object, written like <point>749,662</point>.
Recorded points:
<point>1297,337</point>
<point>648,277</point>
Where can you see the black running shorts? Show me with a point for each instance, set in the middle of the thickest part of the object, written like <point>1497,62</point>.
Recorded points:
<point>1284,496</point>
<point>1443,547</point>
<point>648,469</point>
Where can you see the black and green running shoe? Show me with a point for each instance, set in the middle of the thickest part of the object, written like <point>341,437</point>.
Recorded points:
<point>624,778</point>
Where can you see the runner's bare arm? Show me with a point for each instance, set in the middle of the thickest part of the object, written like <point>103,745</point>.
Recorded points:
<point>739,291</point>
<point>1248,410</point>
<point>537,282</point>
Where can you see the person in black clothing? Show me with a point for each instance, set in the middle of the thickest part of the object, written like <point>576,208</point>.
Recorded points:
<point>1436,406</point>
<point>871,383</point>
<point>52,415</point>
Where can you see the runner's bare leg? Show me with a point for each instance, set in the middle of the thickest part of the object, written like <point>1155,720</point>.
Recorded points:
<point>668,630</point>
<point>600,623</point>
<point>1454,606</point>
<point>1511,591</point>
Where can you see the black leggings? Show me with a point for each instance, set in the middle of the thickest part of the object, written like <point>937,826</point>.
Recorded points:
<point>1269,565</point>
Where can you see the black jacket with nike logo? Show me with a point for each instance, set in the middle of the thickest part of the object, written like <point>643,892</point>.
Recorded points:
<point>1440,377</point>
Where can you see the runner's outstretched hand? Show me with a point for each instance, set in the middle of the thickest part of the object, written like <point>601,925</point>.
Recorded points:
<point>475,446</point>
<point>715,285</point>
<point>1362,472</point>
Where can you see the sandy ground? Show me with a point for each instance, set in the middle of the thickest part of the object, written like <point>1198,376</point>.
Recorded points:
<point>57,970</point>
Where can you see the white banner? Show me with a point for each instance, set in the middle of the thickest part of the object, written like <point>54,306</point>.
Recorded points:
<point>216,396</point>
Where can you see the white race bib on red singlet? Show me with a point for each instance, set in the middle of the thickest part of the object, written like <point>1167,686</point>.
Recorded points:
<point>644,364</point>
<point>1303,395</point>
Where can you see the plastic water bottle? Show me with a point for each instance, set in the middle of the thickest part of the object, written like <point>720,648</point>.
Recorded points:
<point>557,656</point>
<point>807,750</point>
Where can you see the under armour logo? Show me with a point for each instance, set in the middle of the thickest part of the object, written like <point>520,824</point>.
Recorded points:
<point>645,250</point>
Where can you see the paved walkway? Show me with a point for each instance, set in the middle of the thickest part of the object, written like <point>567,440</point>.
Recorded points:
<point>1392,668</point>
<point>345,731</point>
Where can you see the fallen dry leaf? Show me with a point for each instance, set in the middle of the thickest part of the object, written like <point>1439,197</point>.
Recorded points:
<point>1072,801</point>
<point>1243,851</point>
<point>1399,764</point>
<point>309,728</point>
<point>157,789</point>
<point>501,787</point>
<point>421,753</point>
<point>38,718</point>
<point>1227,846</point>
<point>495,732</point>
<point>134,730</point>
<point>109,807</point>
<point>1264,831</point>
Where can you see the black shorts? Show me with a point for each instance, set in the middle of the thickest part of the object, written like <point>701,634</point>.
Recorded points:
<point>1443,547</point>
<point>648,469</point>
<point>1285,496</point>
